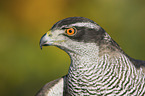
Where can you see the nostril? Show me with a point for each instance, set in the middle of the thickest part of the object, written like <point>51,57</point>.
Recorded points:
<point>50,35</point>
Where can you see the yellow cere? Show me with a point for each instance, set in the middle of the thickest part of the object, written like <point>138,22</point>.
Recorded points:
<point>48,33</point>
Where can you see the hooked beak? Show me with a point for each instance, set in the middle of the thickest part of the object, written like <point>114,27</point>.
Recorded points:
<point>45,40</point>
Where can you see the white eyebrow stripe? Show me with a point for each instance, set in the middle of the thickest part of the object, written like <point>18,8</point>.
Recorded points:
<point>85,24</point>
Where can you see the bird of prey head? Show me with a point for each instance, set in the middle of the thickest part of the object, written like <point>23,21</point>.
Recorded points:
<point>72,33</point>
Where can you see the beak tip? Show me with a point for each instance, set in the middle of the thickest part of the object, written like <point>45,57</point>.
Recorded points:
<point>40,46</point>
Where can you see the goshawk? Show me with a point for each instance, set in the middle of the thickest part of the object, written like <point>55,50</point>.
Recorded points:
<point>98,65</point>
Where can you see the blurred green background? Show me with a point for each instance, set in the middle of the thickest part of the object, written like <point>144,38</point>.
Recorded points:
<point>24,68</point>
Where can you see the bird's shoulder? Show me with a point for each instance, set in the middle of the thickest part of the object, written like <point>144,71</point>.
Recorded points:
<point>53,88</point>
<point>138,64</point>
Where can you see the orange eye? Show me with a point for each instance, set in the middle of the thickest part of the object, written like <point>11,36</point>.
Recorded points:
<point>71,31</point>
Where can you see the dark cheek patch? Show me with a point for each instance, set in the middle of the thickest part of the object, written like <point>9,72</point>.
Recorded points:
<point>79,36</point>
<point>87,35</point>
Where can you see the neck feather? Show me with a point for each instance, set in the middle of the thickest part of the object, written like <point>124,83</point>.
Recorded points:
<point>84,56</point>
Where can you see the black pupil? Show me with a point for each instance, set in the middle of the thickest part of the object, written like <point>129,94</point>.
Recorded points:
<point>70,31</point>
